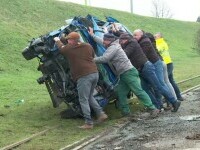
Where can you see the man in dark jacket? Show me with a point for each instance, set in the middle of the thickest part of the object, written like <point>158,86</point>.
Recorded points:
<point>165,73</point>
<point>140,62</point>
<point>84,72</point>
<point>158,84</point>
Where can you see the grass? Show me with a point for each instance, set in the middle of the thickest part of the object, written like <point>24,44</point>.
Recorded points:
<point>22,20</point>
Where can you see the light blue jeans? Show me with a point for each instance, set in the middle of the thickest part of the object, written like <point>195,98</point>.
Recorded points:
<point>165,91</point>
<point>85,87</point>
<point>165,73</point>
<point>151,74</point>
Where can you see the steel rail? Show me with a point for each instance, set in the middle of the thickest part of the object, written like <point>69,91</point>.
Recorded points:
<point>86,141</point>
<point>188,79</point>
<point>190,89</point>
<point>11,146</point>
<point>82,143</point>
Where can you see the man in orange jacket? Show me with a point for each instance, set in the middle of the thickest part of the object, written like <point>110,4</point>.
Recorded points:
<point>85,74</point>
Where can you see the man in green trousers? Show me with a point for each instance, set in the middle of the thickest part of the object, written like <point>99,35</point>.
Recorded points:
<point>128,75</point>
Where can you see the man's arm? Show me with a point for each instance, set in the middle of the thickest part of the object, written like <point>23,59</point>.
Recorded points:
<point>59,44</point>
<point>107,56</point>
<point>96,38</point>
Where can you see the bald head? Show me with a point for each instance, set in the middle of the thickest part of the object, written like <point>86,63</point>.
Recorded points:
<point>158,35</point>
<point>137,34</point>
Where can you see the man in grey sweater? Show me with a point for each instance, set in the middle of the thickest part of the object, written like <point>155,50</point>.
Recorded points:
<point>128,75</point>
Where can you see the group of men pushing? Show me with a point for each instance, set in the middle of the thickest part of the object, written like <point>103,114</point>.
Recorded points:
<point>140,61</point>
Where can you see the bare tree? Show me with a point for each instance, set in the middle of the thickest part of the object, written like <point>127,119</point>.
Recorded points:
<point>161,9</point>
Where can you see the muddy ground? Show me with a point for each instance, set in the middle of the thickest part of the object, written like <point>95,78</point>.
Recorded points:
<point>170,131</point>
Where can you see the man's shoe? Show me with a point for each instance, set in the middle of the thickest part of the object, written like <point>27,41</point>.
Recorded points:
<point>102,118</point>
<point>86,126</point>
<point>154,113</point>
<point>176,106</point>
<point>129,117</point>
<point>181,99</point>
<point>167,108</point>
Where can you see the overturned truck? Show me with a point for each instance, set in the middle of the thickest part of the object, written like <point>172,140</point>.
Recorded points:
<point>54,67</point>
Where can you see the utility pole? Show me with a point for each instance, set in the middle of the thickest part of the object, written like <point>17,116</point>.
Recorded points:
<point>89,3</point>
<point>86,3</point>
<point>131,6</point>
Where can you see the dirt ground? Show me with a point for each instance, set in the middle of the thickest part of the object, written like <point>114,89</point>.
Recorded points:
<point>170,131</point>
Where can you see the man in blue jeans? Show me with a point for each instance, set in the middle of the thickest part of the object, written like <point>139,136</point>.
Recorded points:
<point>141,63</point>
<point>84,72</point>
<point>159,85</point>
<point>163,49</point>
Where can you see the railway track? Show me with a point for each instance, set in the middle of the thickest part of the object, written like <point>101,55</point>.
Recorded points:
<point>88,140</point>
<point>83,144</point>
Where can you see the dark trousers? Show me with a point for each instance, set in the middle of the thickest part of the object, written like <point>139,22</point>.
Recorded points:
<point>170,68</point>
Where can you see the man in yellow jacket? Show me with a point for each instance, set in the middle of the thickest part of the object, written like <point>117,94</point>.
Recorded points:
<point>164,52</point>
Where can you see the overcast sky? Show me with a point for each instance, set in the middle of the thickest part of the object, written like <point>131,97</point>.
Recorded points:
<point>186,10</point>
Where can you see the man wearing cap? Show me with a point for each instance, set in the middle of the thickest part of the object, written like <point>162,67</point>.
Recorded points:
<point>159,85</point>
<point>84,72</point>
<point>129,79</point>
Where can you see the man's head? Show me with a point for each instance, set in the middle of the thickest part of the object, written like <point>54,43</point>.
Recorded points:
<point>150,36</point>
<point>158,35</point>
<point>137,34</point>
<point>108,38</point>
<point>73,38</point>
<point>124,37</point>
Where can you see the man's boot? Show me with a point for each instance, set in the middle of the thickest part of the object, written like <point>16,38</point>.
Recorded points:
<point>102,117</point>
<point>154,113</point>
<point>176,106</point>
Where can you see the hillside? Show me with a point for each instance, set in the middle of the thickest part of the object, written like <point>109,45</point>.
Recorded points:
<point>21,20</point>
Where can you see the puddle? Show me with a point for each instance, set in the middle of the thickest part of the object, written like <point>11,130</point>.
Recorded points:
<point>191,118</point>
